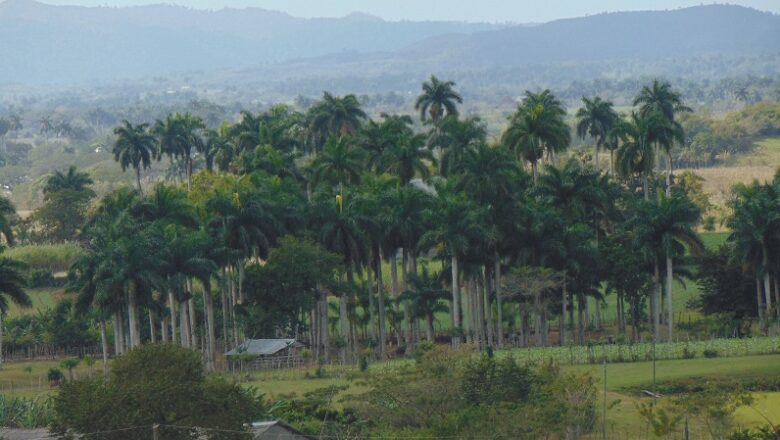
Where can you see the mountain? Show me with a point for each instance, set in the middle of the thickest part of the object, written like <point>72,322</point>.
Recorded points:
<point>66,44</point>
<point>45,43</point>
<point>723,30</point>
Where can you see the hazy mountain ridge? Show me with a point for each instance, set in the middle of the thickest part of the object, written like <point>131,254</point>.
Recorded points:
<point>75,44</point>
<point>160,39</point>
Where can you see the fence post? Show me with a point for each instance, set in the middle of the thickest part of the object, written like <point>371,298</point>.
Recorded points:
<point>155,432</point>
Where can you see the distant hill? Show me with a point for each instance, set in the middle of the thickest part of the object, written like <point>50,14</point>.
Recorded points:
<point>43,43</point>
<point>725,30</point>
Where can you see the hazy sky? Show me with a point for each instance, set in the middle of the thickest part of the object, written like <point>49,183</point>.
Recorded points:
<point>466,10</point>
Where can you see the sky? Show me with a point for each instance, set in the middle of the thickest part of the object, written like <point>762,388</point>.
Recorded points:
<point>519,11</point>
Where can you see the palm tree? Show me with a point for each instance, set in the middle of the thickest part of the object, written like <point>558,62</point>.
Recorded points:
<point>222,149</point>
<point>755,226</point>
<point>338,164</point>
<point>437,98</point>
<point>336,116</point>
<point>7,213</point>
<point>70,180</point>
<point>12,282</point>
<point>636,155</point>
<point>407,158</point>
<point>665,229</point>
<point>46,126</point>
<point>660,98</point>
<point>427,297</point>
<point>453,137</point>
<point>537,127</point>
<point>179,134</point>
<point>595,119</point>
<point>454,222</point>
<point>340,228</point>
<point>135,146</point>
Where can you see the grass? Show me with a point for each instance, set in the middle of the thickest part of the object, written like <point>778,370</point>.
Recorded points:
<point>53,257</point>
<point>42,299</point>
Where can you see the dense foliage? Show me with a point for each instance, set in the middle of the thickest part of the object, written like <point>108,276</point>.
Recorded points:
<point>155,384</point>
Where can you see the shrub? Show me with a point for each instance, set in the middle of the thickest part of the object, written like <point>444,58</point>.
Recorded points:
<point>709,353</point>
<point>155,384</point>
<point>51,257</point>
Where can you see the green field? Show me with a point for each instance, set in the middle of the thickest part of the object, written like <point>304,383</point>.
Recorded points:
<point>42,299</point>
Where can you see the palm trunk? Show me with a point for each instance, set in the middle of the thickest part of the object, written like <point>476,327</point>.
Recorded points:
<point>598,167</point>
<point>488,310</point>
<point>152,327</point>
<point>535,170</point>
<point>343,326</point>
<point>381,300</point>
<point>760,302</point>
<point>645,185</point>
<point>132,317</point>
<point>189,173</point>
<point>669,306</point>
<point>499,311</point>
<point>767,286</point>
<point>172,308</point>
<point>103,345</point>
<point>777,299</point>
<point>164,330</point>
<point>1,338</point>
<point>456,330</point>
<point>563,310</point>
<point>407,308</point>
<point>211,341</point>
<point>324,326</point>
<point>655,303</point>
<point>429,330</point>
<point>581,318</point>
<point>138,178</point>
<point>224,297</point>
<point>193,323</point>
<point>184,330</point>
<point>117,333</point>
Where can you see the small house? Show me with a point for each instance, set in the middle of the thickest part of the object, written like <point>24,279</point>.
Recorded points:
<point>276,430</point>
<point>259,354</point>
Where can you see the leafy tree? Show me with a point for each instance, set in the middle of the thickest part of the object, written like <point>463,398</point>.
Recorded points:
<point>155,385</point>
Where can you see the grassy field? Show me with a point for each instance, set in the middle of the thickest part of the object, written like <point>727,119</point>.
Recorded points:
<point>42,299</point>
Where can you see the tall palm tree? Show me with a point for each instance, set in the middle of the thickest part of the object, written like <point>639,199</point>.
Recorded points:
<point>664,228</point>
<point>336,116</point>
<point>12,282</point>
<point>454,223</point>
<point>70,180</point>
<point>179,136</point>
<point>408,158</point>
<point>537,127</point>
<point>755,226</point>
<point>453,137</point>
<point>437,98</point>
<point>636,155</point>
<point>135,147</point>
<point>339,164</point>
<point>595,119</point>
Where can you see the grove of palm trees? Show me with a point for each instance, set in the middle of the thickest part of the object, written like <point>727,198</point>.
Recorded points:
<point>378,238</point>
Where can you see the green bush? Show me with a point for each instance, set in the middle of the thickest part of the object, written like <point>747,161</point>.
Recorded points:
<point>25,413</point>
<point>710,353</point>
<point>155,384</point>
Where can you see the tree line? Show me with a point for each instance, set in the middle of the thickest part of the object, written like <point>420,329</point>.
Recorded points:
<point>294,220</point>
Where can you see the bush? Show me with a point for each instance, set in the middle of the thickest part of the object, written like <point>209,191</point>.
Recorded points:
<point>709,353</point>
<point>155,384</point>
<point>42,278</point>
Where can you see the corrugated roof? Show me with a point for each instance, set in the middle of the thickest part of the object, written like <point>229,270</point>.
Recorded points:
<point>263,346</point>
